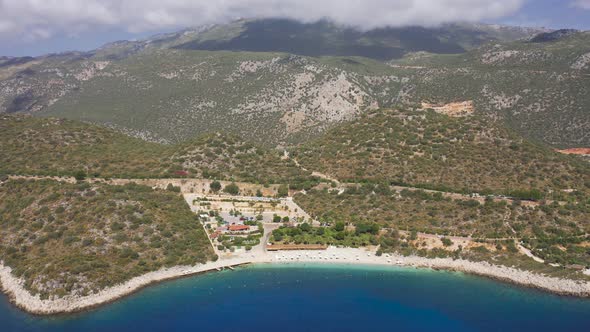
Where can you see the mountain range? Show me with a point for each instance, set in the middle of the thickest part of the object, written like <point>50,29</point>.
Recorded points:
<point>281,83</point>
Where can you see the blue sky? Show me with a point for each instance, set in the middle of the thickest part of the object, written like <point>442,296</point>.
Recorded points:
<point>554,14</point>
<point>31,27</point>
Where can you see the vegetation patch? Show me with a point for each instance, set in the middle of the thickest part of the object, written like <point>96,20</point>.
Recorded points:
<point>81,238</point>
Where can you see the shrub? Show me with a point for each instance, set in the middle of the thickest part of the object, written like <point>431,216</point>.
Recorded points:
<point>283,191</point>
<point>173,188</point>
<point>80,175</point>
<point>215,186</point>
<point>446,242</point>
<point>232,189</point>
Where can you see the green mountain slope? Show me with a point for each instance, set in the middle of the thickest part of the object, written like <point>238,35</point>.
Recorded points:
<point>540,89</point>
<point>159,92</point>
<point>48,146</point>
<point>426,149</point>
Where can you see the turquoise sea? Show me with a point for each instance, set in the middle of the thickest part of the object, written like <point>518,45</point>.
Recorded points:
<point>322,298</point>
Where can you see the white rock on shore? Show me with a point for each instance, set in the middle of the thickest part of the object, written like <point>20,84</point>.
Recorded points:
<point>23,299</point>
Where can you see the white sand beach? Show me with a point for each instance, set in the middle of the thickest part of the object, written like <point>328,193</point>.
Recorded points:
<point>24,300</point>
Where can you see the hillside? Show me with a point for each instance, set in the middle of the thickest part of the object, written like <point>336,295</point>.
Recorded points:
<point>159,91</point>
<point>540,89</point>
<point>427,149</point>
<point>76,239</point>
<point>49,146</point>
<point>556,233</point>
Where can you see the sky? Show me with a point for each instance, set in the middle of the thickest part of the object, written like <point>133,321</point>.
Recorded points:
<point>35,27</point>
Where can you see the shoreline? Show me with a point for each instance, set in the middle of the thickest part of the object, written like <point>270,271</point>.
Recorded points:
<point>21,298</point>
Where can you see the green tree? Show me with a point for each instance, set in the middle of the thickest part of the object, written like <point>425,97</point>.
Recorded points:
<point>215,186</point>
<point>283,191</point>
<point>232,189</point>
<point>305,227</point>
<point>173,188</point>
<point>80,175</point>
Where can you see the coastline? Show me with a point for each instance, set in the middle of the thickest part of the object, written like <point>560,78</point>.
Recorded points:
<point>20,297</point>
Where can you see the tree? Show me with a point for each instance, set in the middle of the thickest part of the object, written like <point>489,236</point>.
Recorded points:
<point>232,189</point>
<point>173,188</point>
<point>278,235</point>
<point>285,219</point>
<point>446,242</point>
<point>305,227</point>
<point>369,227</point>
<point>339,227</point>
<point>283,191</point>
<point>80,175</point>
<point>258,193</point>
<point>215,186</point>
<point>276,218</point>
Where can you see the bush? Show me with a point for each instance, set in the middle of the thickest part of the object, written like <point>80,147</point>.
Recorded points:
<point>215,186</point>
<point>446,242</point>
<point>232,189</point>
<point>283,191</point>
<point>173,188</point>
<point>80,175</point>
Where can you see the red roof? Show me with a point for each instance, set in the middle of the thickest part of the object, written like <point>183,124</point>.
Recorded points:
<point>234,228</point>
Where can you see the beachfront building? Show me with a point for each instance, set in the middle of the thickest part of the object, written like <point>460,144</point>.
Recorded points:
<point>241,229</point>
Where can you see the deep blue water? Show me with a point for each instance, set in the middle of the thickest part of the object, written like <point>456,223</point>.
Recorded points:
<point>322,298</point>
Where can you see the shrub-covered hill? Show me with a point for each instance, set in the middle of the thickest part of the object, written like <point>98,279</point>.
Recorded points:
<point>62,147</point>
<point>48,146</point>
<point>80,238</point>
<point>227,157</point>
<point>431,150</point>
<point>541,90</point>
<point>556,233</point>
<point>156,91</point>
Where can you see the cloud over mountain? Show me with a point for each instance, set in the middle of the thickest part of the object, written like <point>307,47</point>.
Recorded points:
<point>584,4</point>
<point>34,19</point>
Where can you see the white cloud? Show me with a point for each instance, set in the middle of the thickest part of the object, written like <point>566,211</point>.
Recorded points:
<point>43,18</point>
<point>583,4</point>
